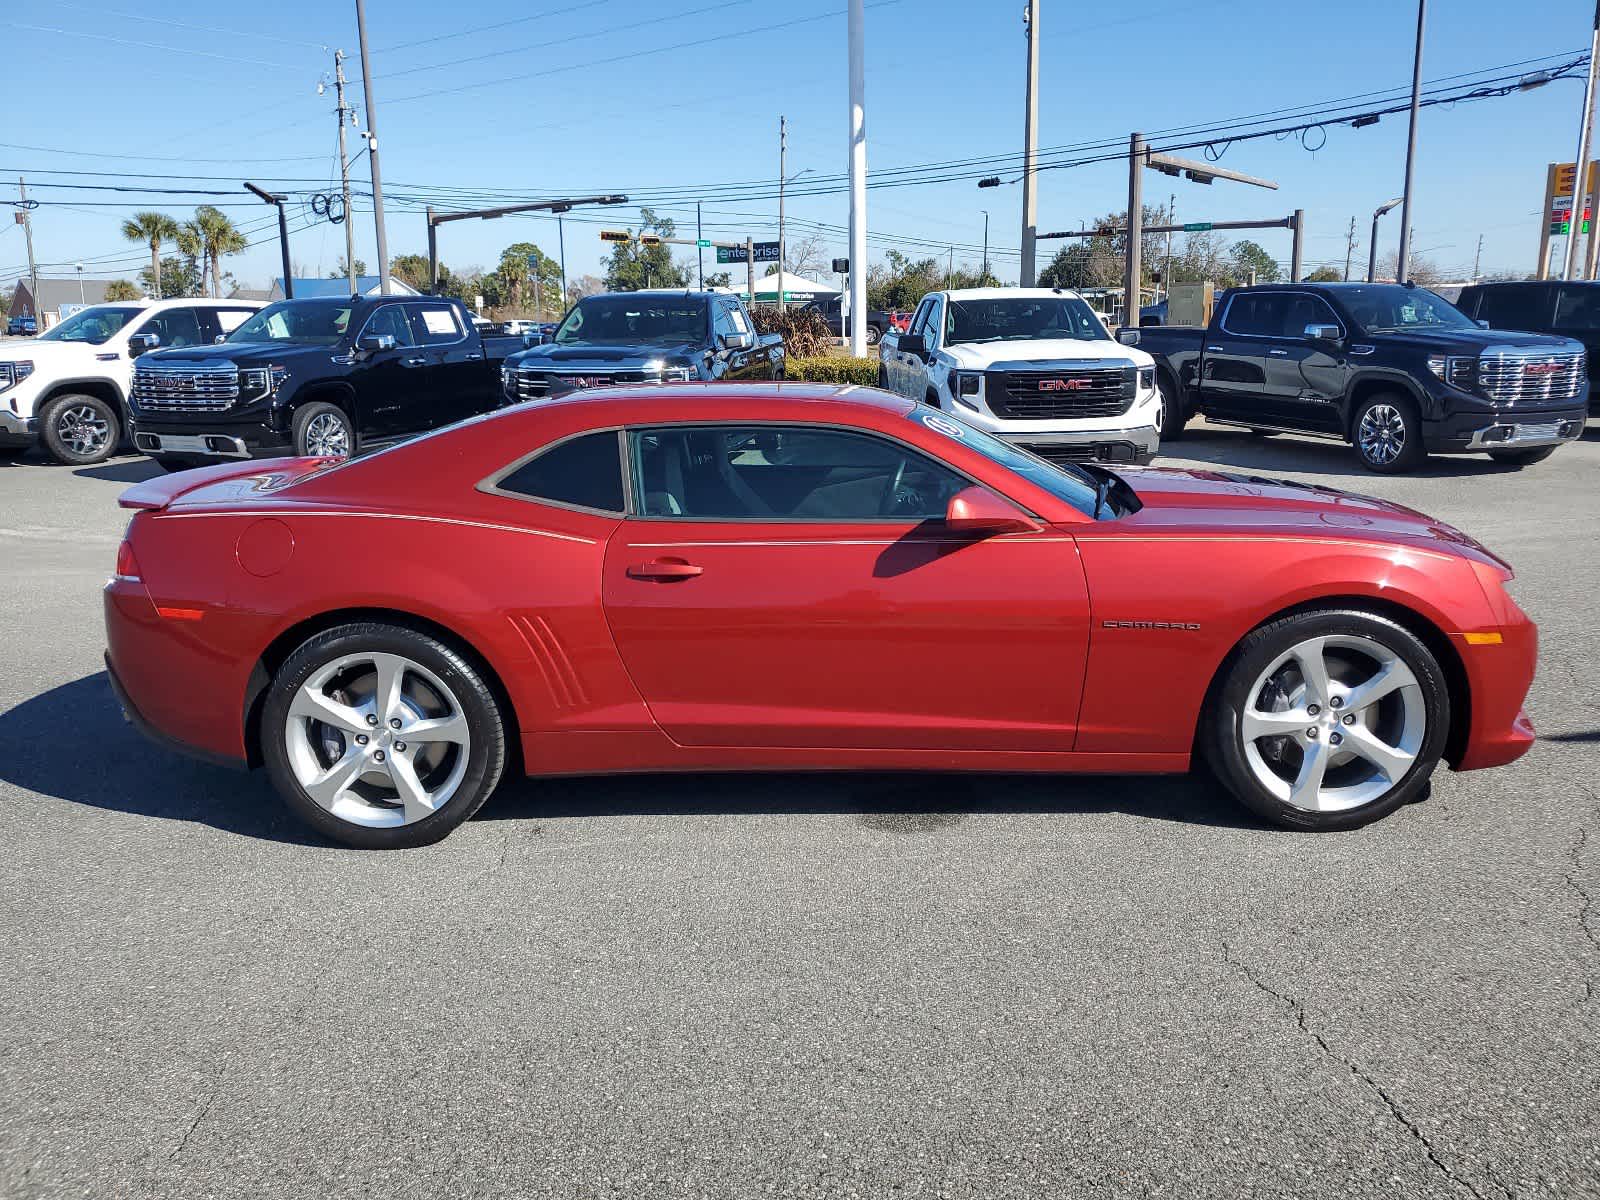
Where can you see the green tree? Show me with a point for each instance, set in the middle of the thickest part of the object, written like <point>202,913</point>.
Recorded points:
<point>180,276</point>
<point>530,277</point>
<point>1325,275</point>
<point>412,270</point>
<point>210,236</point>
<point>633,265</point>
<point>1248,256</point>
<point>1088,263</point>
<point>153,229</point>
<point>122,289</point>
<point>720,279</point>
<point>341,270</point>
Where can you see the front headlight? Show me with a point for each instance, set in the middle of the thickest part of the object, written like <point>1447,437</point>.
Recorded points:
<point>13,373</point>
<point>965,383</point>
<point>257,383</point>
<point>1147,379</point>
<point>1456,370</point>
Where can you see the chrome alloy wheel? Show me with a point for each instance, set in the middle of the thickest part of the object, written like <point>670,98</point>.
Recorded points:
<point>82,429</point>
<point>327,435</point>
<point>1333,723</point>
<point>1382,434</point>
<point>377,740</point>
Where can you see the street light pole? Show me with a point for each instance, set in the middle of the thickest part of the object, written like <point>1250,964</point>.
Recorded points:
<point>1372,244</point>
<point>283,234</point>
<point>1030,150</point>
<point>1403,262</point>
<point>985,213</point>
<point>372,151</point>
<point>858,175</point>
<point>783,166</point>
<point>1580,173</point>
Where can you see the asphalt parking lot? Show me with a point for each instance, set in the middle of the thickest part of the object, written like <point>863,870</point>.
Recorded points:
<point>799,986</point>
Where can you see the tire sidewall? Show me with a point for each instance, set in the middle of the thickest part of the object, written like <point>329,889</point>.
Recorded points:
<point>1411,454</point>
<point>302,418</point>
<point>1225,743</point>
<point>1172,418</point>
<point>58,450</point>
<point>485,759</point>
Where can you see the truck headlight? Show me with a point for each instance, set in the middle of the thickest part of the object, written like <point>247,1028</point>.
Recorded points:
<point>1457,370</point>
<point>13,373</point>
<point>257,383</point>
<point>1147,379</point>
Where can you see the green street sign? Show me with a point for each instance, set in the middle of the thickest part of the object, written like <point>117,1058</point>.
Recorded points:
<point>704,243</point>
<point>1197,227</point>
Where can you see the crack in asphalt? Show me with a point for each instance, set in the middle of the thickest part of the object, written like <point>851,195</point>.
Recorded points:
<point>1297,1010</point>
<point>1585,901</point>
<point>216,1088</point>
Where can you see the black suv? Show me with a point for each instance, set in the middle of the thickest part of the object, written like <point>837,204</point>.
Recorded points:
<point>1554,306</point>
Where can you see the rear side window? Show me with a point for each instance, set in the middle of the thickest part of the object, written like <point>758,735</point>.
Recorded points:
<point>581,472</point>
<point>1257,314</point>
<point>435,324</point>
<point>1517,306</point>
<point>1578,308</point>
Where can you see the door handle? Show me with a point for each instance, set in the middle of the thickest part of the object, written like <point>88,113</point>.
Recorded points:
<point>1275,352</point>
<point>473,357</point>
<point>664,570</point>
<point>415,362</point>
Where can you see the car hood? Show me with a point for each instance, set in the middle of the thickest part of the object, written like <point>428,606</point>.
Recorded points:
<point>238,353</point>
<point>1198,501</point>
<point>38,351</point>
<point>980,356</point>
<point>1474,341</point>
<point>602,358</point>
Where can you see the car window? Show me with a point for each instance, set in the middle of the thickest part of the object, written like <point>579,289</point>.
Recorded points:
<point>1256,314</point>
<point>175,327</point>
<point>1578,308</point>
<point>583,472</point>
<point>390,319</point>
<point>722,321</point>
<point>741,323</point>
<point>435,324</point>
<point>933,329</point>
<point>1303,310</point>
<point>920,319</point>
<point>1524,306</point>
<point>786,473</point>
<point>229,319</point>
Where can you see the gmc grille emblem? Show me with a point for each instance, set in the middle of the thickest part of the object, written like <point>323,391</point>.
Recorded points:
<point>1542,368</point>
<point>585,381</point>
<point>1064,385</point>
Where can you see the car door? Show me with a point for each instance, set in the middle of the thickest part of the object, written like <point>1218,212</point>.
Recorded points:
<point>905,370</point>
<point>455,382</point>
<point>1578,317</point>
<point>1304,378</point>
<point>791,586</point>
<point>732,353</point>
<point>1233,370</point>
<point>390,400</point>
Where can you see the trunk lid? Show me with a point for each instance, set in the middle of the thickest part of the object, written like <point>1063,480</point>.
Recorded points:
<point>225,483</point>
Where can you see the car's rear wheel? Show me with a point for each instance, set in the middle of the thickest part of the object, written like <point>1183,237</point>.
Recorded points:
<point>874,335</point>
<point>1388,434</point>
<point>382,737</point>
<point>1329,719</point>
<point>1522,458</point>
<point>79,430</point>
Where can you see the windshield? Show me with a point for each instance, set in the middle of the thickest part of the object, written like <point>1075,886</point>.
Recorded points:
<point>1015,319</point>
<point>618,320</point>
<point>92,325</point>
<point>298,322</point>
<point>1070,483</point>
<point>1390,308</point>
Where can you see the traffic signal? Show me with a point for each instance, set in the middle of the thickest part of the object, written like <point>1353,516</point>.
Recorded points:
<point>613,235</point>
<point>649,239</point>
<point>841,266</point>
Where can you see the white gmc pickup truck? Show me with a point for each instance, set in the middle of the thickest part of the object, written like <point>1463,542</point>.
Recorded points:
<point>68,388</point>
<point>1032,365</point>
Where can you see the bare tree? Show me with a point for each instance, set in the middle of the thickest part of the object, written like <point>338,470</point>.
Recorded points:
<point>1422,271</point>
<point>808,256</point>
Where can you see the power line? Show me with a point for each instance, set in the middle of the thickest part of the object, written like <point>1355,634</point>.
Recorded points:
<point>186,51</point>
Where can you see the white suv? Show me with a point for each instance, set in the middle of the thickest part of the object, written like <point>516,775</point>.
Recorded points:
<point>1035,366</point>
<point>68,388</point>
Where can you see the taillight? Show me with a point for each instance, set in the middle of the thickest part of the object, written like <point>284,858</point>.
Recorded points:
<point>127,565</point>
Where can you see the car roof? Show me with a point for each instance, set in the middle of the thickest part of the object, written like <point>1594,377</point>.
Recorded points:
<point>635,405</point>
<point>1010,293</point>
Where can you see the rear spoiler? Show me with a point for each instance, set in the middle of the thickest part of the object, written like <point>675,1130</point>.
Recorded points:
<point>249,477</point>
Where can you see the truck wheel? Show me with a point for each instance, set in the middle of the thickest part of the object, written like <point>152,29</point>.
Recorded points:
<point>1387,434</point>
<point>323,430</point>
<point>874,335</point>
<point>1173,418</point>
<point>1522,458</point>
<point>78,430</point>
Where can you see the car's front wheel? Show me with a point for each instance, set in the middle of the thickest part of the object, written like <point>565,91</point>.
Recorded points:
<point>1388,434</point>
<point>382,737</point>
<point>1173,418</point>
<point>324,430</point>
<point>80,430</point>
<point>1328,719</point>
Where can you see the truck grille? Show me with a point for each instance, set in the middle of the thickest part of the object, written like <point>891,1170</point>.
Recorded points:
<point>1524,378</point>
<point>529,383</point>
<point>1062,394</point>
<point>185,389</point>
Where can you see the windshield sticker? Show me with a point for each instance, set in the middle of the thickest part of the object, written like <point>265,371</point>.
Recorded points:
<point>944,425</point>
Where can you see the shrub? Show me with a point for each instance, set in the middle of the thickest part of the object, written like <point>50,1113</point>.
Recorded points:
<point>863,371</point>
<point>805,333</point>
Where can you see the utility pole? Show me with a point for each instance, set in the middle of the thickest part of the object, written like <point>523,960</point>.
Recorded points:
<point>1580,174</point>
<point>1130,297</point>
<point>1349,248</point>
<point>949,266</point>
<point>1403,262</point>
<point>561,249</point>
<point>344,172</point>
<point>750,268</point>
<point>372,151</point>
<point>858,175</point>
<point>1166,271</point>
<point>699,250</point>
<point>1030,150</point>
<point>1477,259</point>
<point>985,275</point>
<point>783,166</point>
<point>33,267</point>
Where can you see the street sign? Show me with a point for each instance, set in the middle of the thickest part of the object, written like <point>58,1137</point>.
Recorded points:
<point>1197,227</point>
<point>613,235</point>
<point>703,243</point>
<point>764,252</point>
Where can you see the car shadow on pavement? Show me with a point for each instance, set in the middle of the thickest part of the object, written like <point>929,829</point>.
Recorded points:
<point>123,470</point>
<point>1237,451</point>
<point>73,743</point>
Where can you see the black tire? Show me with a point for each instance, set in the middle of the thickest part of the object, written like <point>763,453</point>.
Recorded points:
<point>874,335</point>
<point>306,434</point>
<point>1403,450</point>
<point>1223,742</point>
<point>1173,418</point>
<point>883,377</point>
<point>1522,458</point>
<point>80,430</point>
<point>486,754</point>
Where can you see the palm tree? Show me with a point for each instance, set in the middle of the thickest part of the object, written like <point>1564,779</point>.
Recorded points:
<point>153,229</point>
<point>121,289</point>
<point>209,236</point>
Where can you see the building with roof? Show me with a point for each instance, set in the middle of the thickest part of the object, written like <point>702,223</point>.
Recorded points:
<point>46,307</point>
<point>316,289</point>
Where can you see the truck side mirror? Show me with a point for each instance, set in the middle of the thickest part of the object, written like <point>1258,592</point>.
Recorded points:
<point>375,343</point>
<point>1128,337</point>
<point>734,341</point>
<point>913,343</point>
<point>1484,325</point>
<point>141,343</point>
<point>1322,333</point>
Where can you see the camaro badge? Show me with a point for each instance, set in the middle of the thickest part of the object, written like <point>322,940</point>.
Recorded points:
<point>1184,625</point>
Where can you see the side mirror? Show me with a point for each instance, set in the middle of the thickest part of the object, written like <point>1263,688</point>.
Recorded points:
<point>1484,325</point>
<point>142,343</point>
<point>734,341</point>
<point>1322,333</point>
<point>980,513</point>
<point>1128,337</point>
<point>913,343</point>
<point>376,343</point>
<point>219,339</point>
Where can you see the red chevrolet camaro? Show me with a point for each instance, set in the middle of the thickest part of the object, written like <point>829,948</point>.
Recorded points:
<point>797,577</point>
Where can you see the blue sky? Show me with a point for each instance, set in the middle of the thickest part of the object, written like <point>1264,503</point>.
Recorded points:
<point>572,97</point>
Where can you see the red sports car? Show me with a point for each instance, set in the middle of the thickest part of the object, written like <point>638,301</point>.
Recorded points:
<point>796,577</point>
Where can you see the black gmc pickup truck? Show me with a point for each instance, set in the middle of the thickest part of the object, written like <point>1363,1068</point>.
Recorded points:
<point>832,311</point>
<point>328,376</point>
<point>645,337</point>
<point>1392,369</point>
